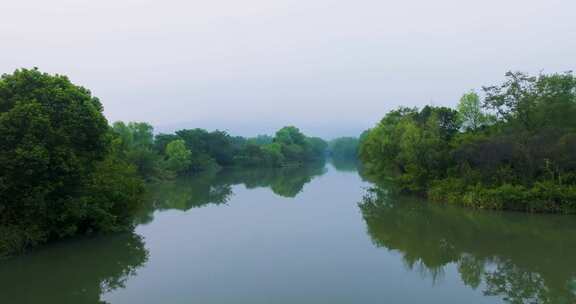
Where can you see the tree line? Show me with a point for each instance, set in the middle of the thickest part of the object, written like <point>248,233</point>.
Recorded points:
<point>344,147</point>
<point>513,148</point>
<point>64,171</point>
<point>191,151</point>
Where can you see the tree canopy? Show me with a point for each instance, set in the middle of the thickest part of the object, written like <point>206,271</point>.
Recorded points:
<point>58,175</point>
<point>513,150</point>
<point>344,147</point>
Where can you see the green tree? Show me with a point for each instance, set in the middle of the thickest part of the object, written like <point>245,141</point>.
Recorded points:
<point>134,142</point>
<point>530,103</point>
<point>178,156</point>
<point>290,135</point>
<point>471,113</point>
<point>261,139</point>
<point>162,140</point>
<point>344,147</point>
<point>316,148</point>
<point>54,156</point>
<point>209,148</point>
<point>296,147</point>
<point>411,144</point>
<point>273,153</point>
<point>523,160</point>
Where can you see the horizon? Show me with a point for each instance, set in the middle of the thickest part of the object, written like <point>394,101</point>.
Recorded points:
<point>327,132</point>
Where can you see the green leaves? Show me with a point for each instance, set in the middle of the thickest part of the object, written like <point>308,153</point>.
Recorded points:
<point>530,103</point>
<point>411,144</point>
<point>344,147</point>
<point>57,176</point>
<point>488,163</point>
<point>179,157</point>
<point>470,112</point>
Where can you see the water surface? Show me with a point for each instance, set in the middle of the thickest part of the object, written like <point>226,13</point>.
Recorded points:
<point>314,234</point>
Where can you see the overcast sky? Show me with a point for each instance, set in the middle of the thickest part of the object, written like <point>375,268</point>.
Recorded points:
<point>331,67</point>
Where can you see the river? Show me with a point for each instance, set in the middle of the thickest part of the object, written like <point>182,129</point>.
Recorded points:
<point>313,234</point>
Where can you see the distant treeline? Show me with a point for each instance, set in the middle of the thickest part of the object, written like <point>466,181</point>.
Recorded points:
<point>344,147</point>
<point>65,171</point>
<point>194,150</point>
<point>513,149</point>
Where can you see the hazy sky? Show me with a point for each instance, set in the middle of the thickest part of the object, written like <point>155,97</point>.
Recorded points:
<point>332,67</point>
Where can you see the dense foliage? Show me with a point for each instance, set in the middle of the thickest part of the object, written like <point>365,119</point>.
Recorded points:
<point>344,147</point>
<point>64,171</point>
<point>515,149</point>
<point>196,150</point>
<point>59,175</point>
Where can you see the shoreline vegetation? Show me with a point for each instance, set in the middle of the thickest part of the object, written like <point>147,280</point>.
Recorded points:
<point>64,171</point>
<point>191,151</point>
<point>512,149</point>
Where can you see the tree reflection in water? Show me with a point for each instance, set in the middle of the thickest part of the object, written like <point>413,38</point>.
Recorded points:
<point>518,257</point>
<point>345,164</point>
<point>81,271</point>
<point>216,187</point>
<point>74,272</point>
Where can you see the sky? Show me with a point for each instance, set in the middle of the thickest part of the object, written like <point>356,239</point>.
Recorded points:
<point>329,67</point>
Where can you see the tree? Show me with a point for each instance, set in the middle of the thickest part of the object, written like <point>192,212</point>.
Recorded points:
<point>55,144</point>
<point>210,149</point>
<point>411,144</point>
<point>470,111</point>
<point>273,153</point>
<point>162,140</point>
<point>344,147</point>
<point>523,160</point>
<point>316,148</point>
<point>261,139</point>
<point>296,147</point>
<point>290,135</point>
<point>179,157</point>
<point>522,100</point>
<point>134,142</point>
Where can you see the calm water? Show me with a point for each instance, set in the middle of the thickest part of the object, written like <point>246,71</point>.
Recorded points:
<point>303,235</point>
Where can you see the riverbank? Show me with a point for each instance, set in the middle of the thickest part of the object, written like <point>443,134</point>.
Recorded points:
<point>514,148</point>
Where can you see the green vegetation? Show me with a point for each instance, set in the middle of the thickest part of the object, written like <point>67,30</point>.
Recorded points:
<point>197,150</point>
<point>343,152</point>
<point>344,147</point>
<point>515,150</point>
<point>134,144</point>
<point>59,172</point>
<point>64,171</point>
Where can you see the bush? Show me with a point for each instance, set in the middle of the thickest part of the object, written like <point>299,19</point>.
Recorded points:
<point>449,190</point>
<point>551,197</point>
